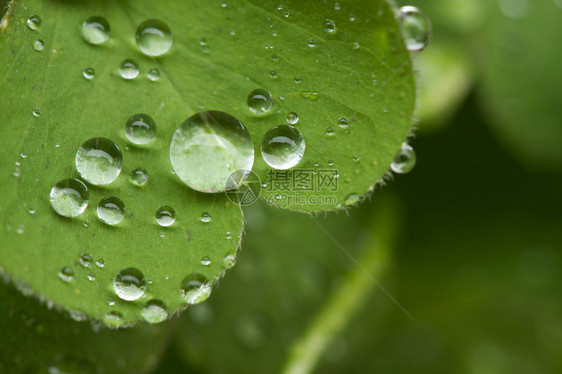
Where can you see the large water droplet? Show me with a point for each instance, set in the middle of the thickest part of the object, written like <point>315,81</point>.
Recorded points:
<point>38,45</point>
<point>195,289</point>
<point>140,129</point>
<point>129,69</point>
<point>154,311</point>
<point>99,161</point>
<point>208,147</point>
<point>154,37</point>
<point>111,210</point>
<point>69,197</point>
<point>95,30</point>
<point>139,176</point>
<point>416,28</point>
<point>292,118</point>
<point>260,101</point>
<point>282,147</point>
<point>129,284</point>
<point>165,216</point>
<point>405,160</point>
<point>66,274</point>
<point>34,22</point>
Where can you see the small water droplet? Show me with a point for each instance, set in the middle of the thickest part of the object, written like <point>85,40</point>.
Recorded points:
<point>86,260</point>
<point>31,210</point>
<point>330,26</point>
<point>17,172</point>
<point>129,69</point>
<point>113,319</point>
<point>337,6</point>
<point>311,43</point>
<point>110,301</point>
<point>228,235</point>
<point>36,112</point>
<point>165,216</point>
<point>208,148</point>
<point>154,37</point>
<point>89,73</point>
<point>139,176</point>
<point>356,45</point>
<point>38,45</point>
<point>205,261</point>
<point>20,229</point>
<point>99,161</point>
<point>330,131</point>
<point>111,210</point>
<point>34,22</point>
<point>331,163</point>
<point>95,30</point>
<point>273,74</point>
<point>154,74</point>
<point>154,311</point>
<point>416,28</point>
<point>100,263</point>
<point>282,147</point>
<point>351,199</point>
<point>129,284</point>
<point>405,160</point>
<point>91,277</point>
<point>310,95</point>
<point>355,158</point>
<point>195,289</point>
<point>140,129</point>
<point>260,101</point>
<point>343,122</point>
<point>292,118</point>
<point>229,261</point>
<point>86,223</point>
<point>69,197</point>
<point>66,274</point>
<point>205,217</point>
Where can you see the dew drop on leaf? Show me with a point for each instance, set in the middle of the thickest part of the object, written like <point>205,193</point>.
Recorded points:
<point>165,216</point>
<point>292,118</point>
<point>195,289</point>
<point>86,260</point>
<point>154,74</point>
<point>66,274</point>
<point>38,45</point>
<point>282,147</point>
<point>89,73</point>
<point>405,160</point>
<point>416,28</point>
<point>208,148</point>
<point>154,37</point>
<point>111,210</point>
<point>129,284</point>
<point>99,161</point>
<point>140,129</point>
<point>95,30</point>
<point>129,69</point>
<point>260,101</point>
<point>139,176</point>
<point>69,197</point>
<point>34,22</point>
<point>154,311</point>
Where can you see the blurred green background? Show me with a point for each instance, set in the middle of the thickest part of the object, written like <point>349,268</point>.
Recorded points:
<point>469,242</point>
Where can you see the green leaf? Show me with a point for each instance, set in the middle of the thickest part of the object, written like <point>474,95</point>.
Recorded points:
<point>293,291</point>
<point>37,339</point>
<point>216,60</point>
<point>521,79</point>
